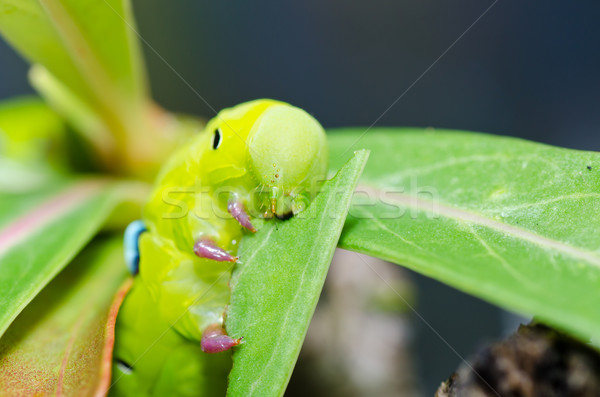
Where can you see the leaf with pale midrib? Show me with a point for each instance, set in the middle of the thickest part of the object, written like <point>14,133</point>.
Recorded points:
<point>510,221</point>
<point>58,345</point>
<point>41,231</point>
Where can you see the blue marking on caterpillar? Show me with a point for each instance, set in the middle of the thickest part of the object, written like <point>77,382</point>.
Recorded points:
<point>131,245</point>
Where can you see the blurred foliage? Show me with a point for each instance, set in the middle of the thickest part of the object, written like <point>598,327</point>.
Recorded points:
<point>32,134</point>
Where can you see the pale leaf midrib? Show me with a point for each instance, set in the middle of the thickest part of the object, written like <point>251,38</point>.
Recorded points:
<point>468,217</point>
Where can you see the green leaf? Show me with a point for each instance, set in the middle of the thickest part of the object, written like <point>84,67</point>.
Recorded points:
<point>93,74</point>
<point>17,177</point>
<point>81,116</point>
<point>513,222</point>
<point>89,45</point>
<point>31,133</point>
<point>61,343</point>
<point>276,285</point>
<point>41,231</point>
<point>36,144</point>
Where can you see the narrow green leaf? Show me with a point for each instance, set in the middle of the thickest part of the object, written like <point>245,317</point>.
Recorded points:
<point>89,45</point>
<point>276,285</point>
<point>40,232</point>
<point>510,221</point>
<point>61,343</point>
<point>81,116</point>
<point>92,72</point>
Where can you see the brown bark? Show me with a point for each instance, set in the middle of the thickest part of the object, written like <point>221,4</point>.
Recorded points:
<point>536,361</point>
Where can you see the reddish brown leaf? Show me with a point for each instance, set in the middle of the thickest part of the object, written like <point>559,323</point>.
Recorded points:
<point>61,343</point>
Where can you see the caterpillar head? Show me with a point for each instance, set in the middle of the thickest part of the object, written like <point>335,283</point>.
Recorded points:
<point>287,152</point>
<point>279,149</point>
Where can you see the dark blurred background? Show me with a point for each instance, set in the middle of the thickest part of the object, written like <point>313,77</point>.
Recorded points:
<point>527,69</point>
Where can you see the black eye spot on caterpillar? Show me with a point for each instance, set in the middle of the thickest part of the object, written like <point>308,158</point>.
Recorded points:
<point>217,139</point>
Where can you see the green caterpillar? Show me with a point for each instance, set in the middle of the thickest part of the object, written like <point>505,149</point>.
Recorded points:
<point>257,159</point>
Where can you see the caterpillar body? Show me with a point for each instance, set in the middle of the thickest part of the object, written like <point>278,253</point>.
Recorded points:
<point>255,160</point>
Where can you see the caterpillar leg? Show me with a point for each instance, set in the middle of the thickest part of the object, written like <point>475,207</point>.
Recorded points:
<point>281,204</point>
<point>131,245</point>
<point>236,209</point>
<point>206,248</point>
<point>216,340</point>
